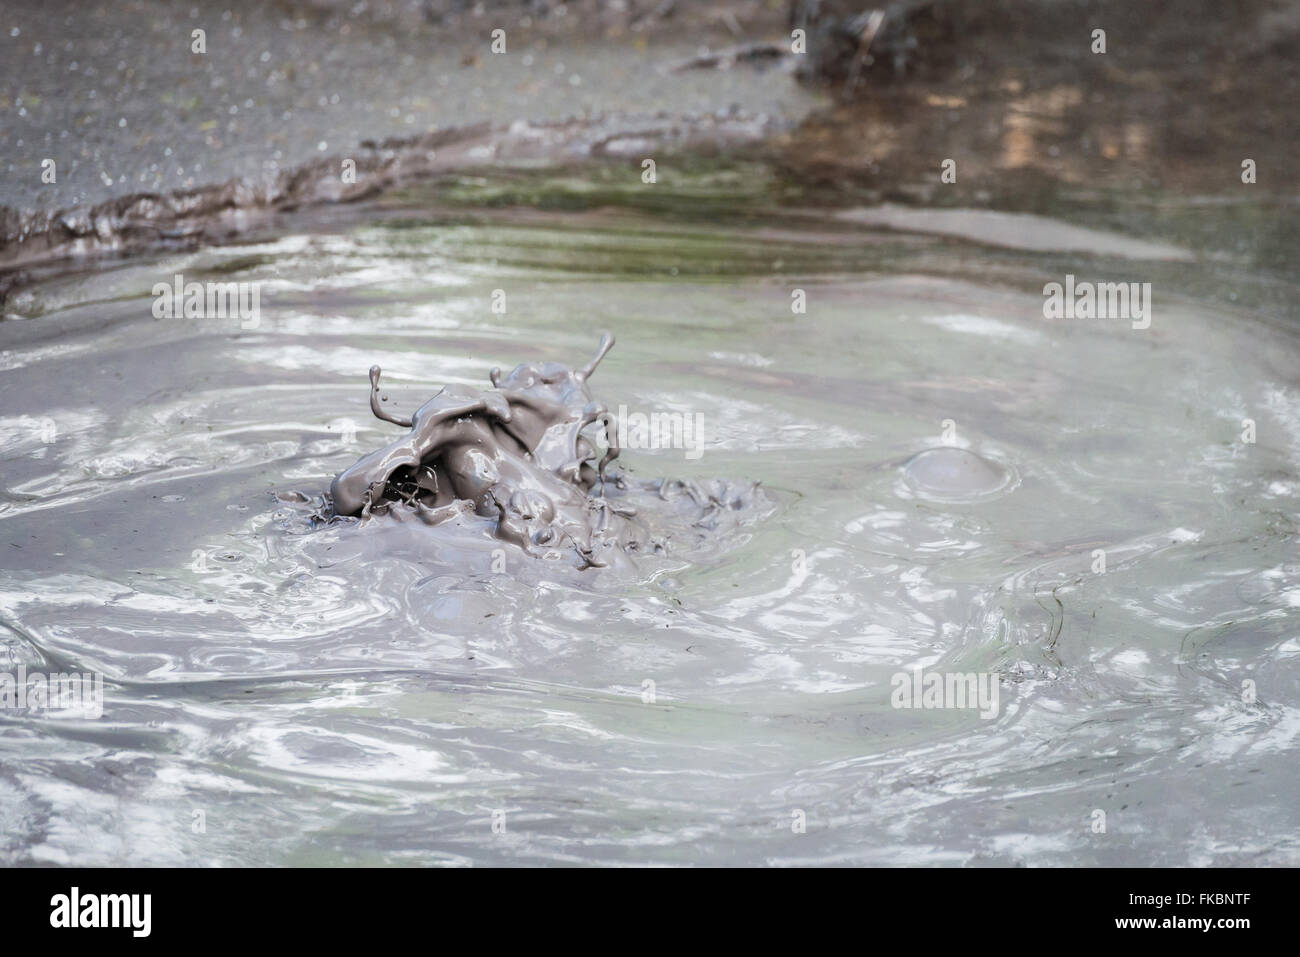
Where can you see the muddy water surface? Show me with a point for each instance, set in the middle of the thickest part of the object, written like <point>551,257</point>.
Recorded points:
<point>942,467</point>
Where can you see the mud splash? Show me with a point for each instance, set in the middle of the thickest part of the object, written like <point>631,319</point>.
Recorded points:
<point>524,458</point>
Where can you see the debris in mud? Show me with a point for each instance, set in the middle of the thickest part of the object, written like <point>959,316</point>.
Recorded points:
<point>746,53</point>
<point>526,457</point>
<point>848,39</point>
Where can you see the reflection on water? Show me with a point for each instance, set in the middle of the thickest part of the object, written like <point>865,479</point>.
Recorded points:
<point>956,483</point>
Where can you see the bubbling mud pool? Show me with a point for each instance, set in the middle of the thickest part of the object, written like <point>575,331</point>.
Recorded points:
<point>951,482</point>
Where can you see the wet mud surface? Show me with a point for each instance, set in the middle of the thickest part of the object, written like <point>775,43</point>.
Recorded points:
<point>950,478</point>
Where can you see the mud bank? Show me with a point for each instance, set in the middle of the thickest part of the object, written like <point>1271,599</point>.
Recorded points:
<point>214,213</point>
<point>129,121</point>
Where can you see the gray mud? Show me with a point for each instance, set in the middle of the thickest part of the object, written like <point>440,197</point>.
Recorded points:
<point>370,692</point>
<point>1101,516</point>
<point>530,457</point>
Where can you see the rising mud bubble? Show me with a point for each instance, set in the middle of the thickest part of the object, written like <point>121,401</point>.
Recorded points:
<point>954,474</point>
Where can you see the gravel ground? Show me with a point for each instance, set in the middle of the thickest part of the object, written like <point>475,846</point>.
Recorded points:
<point>114,95</point>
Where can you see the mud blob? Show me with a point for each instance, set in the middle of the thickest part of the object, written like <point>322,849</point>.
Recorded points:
<point>953,474</point>
<point>526,456</point>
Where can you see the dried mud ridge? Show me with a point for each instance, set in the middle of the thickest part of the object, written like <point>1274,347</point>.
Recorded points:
<point>214,213</point>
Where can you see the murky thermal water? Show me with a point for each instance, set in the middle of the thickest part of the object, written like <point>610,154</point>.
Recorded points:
<point>942,467</point>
